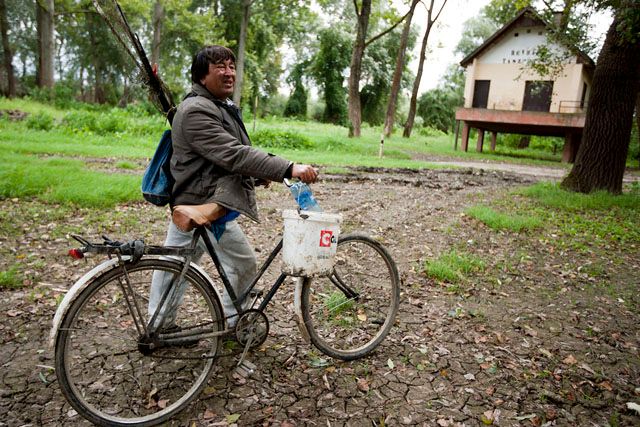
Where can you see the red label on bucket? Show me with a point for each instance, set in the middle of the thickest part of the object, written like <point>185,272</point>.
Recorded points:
<point>325,238</point>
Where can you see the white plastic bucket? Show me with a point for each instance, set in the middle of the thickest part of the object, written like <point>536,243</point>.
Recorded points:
<point>310,241</point>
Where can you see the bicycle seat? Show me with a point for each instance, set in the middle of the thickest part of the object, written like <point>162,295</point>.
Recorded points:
<point>187,217</point>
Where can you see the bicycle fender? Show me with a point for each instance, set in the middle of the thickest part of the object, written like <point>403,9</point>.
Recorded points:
<point>85,280</point>
<point>297,307</point>
<point>77,287</point>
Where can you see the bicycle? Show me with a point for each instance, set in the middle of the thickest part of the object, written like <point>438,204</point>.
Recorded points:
<point>115,368</point>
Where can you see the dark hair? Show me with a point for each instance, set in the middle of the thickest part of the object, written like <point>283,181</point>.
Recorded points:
<point>213,54</point>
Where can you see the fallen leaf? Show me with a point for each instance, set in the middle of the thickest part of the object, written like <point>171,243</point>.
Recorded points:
<point>551,414</point>
<point>634,407</point>
<point>363,385</point>
<point>469,377</point>
<point>208,414</point>
<point>390,364</point>
<point>232,418</point>
<point>587,368</point>
<point>569,360</point>
<point>163,403</point>
<point>14,313</point>
<point>525,417</point>
<point>545,352</point>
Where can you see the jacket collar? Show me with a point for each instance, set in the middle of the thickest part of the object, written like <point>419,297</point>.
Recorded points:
<point>200,90</point>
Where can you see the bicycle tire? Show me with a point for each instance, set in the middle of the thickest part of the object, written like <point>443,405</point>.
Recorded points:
<point>99,361</point>
<point>349,327</point>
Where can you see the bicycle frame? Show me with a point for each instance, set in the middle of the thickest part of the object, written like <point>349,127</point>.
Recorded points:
<point>200,233</point>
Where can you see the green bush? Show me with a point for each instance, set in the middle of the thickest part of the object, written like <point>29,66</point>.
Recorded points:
<point>430,131</point>
<point>79,121</point>
<point>111,123</point>
<point>40,121</point>
<point>281,139</point>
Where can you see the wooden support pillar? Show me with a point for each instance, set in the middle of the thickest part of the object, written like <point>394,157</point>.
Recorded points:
<point>571,145</point>
<point>494,137</point>
<point>464,144</point>
<point>455,141</point>
<point>480,140</point>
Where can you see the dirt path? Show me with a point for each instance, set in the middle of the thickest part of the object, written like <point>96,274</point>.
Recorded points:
<point>530,341</point>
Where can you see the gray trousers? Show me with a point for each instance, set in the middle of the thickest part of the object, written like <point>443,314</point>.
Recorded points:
<point>236,257</point>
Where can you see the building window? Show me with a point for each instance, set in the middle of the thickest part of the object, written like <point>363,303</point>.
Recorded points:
<point>537,95</point>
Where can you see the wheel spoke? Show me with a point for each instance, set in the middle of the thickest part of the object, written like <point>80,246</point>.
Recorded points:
<point>113,375</point>
<point>349,313</point>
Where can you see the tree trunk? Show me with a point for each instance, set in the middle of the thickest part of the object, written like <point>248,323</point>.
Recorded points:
<point>46,42</point>
<point>416,83</point>
<point>158,17</point>
<point>7,55</point>
<point>638,124</point>
<point>397,74</point>
<point>355,109</point>
<point>242,41</point>
<point>601,158</point>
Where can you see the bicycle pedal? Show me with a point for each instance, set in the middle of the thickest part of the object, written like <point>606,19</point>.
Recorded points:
<point>245,369</point>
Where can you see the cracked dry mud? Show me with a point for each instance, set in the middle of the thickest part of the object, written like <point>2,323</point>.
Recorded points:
<point>531,345</point>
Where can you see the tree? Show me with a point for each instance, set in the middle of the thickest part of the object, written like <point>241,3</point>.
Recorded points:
<point>601,158</point>
<point>436,107</point>
<point>297,102</point>
<point>397,75</point>
<point>7,55</point>
<point>240,57</point>
<point>362,15</point>
<point>331,59</point>
<point>156,23</point>
<point>355,107</point>
<point>431,19</point>
<point>46,42</point>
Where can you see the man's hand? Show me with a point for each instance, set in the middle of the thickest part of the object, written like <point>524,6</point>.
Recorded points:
<point>304,173</point>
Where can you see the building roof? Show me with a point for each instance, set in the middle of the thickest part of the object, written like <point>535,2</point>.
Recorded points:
<point>526,17</point>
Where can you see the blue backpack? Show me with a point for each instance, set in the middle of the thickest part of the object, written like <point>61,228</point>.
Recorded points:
<point>157,181</point>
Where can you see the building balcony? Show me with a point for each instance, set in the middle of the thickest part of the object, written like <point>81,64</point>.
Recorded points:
<point>522,122</point>
<point>566,125</point>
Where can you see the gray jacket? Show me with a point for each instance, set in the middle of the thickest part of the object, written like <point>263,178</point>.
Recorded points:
<point>213,160</point>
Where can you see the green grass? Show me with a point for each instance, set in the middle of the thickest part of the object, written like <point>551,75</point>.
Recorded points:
<point>337,303</point>
<point>501,221</point>
<point>10,278</point>
<point>65,181</point>
<point>552,195</point>
<point>453,266</point>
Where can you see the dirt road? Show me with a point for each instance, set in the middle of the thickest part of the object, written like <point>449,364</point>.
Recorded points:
<point>526,342</point>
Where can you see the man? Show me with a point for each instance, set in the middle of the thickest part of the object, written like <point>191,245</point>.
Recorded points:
<point>213,162</point>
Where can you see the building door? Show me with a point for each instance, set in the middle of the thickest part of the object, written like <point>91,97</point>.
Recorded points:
<point>537,95</point>
<point>481,93</point>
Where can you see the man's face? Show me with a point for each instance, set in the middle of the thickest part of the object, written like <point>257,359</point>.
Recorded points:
<point>220,79</point>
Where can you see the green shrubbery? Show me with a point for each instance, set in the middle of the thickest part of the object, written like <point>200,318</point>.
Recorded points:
<point>40,121</point>
<point>281,139</point>
<point>133,121</point>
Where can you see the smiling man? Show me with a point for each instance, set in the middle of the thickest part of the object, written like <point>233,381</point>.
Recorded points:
<point>213,162</point>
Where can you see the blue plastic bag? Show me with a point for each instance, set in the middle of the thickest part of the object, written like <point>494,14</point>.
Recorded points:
<point>157,181</point>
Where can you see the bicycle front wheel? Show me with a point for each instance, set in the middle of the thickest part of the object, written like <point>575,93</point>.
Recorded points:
<point>348,313</point>
<point>114,374</point>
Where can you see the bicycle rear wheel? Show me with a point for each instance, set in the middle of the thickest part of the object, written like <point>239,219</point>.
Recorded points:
<point>113,376</point>
<point>349,313</point>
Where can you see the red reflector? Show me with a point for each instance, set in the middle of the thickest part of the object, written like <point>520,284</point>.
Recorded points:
<point>76,253</point>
